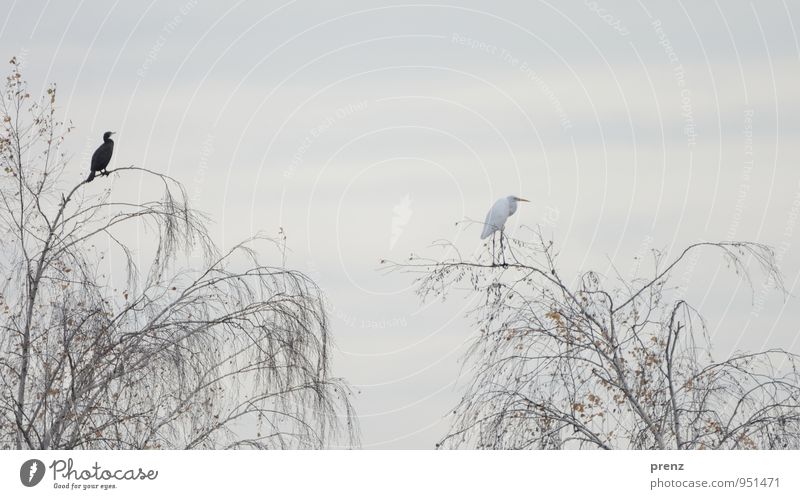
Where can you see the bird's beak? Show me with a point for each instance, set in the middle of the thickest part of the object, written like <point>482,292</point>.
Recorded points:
<point>112,133</point>
<point>521,199</point>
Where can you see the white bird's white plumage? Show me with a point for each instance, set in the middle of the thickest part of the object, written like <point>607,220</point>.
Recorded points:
<point>497,216</point>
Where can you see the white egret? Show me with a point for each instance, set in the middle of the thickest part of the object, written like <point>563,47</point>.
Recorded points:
<point>496,220</point>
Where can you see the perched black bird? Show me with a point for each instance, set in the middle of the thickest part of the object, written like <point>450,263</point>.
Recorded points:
<point>102,156</point>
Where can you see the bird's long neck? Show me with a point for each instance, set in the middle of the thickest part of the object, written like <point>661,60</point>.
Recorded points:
<point>108,141</point>
<point>512,207</point>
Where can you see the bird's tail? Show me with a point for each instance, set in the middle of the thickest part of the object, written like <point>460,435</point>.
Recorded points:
<point>91,176</point>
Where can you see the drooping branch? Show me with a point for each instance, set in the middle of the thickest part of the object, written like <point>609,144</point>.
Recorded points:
<point>227,352</point>
<point>595,363</point>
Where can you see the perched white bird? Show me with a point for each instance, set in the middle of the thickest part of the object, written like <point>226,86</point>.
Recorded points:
<point>496,219</point>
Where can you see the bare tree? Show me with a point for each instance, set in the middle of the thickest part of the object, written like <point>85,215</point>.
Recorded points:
<point>232,354</point>
<point>607,363</point>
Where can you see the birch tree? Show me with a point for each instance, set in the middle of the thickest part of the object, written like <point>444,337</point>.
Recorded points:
<point>229,353</point>
<point>607,362</point>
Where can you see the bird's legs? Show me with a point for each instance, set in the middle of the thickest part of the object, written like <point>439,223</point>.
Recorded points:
<point>502,251</point>
<point>493,250</point>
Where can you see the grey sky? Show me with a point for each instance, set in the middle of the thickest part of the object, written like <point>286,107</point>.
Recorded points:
<point>367,129</point>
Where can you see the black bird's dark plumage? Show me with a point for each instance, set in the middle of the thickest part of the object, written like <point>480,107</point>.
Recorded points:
<point>102,156</point>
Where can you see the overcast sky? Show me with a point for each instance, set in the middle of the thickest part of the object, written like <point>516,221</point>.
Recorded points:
<point>368,129</point>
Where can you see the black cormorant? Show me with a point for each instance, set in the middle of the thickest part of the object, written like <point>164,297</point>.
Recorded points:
<point>102,156</point>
